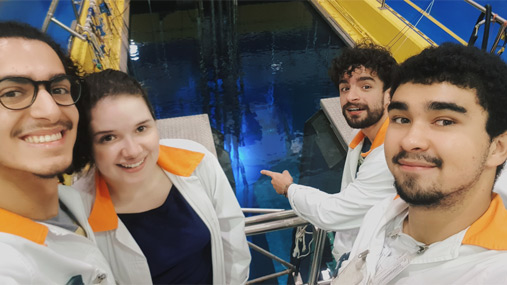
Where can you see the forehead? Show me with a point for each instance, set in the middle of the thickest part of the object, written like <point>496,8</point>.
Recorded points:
<point>28,58</point>
<point>360,72</point>
<point>116,112</point>
<point>421,96</point>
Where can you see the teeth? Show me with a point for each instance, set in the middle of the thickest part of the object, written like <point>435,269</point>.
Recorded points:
<point>44,139</point>
<point>354,109</point>
<point>132,165</point>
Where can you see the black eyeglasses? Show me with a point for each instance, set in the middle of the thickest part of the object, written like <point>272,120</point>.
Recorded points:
<point>18,93</point>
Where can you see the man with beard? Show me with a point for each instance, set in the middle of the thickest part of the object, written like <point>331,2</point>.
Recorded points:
<point>363,76</point>
<point>44,234</point>
<point>446,145</point>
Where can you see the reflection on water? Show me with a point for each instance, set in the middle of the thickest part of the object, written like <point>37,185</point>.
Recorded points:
<point>258,69</point>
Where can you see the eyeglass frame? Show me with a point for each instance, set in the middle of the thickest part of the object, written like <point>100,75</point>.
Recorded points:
<point>47,85</point>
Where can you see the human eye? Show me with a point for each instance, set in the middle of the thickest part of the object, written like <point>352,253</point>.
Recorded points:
<point>15,88</point>
<point>141,129</point>
<point>60,87</point>
<point>344,89</point>
<point>444,122</point>
<point>60,91</point>
<point>106,138</point>
<point>11,94</point>
<point>400,120</point>
<point>367,87</point>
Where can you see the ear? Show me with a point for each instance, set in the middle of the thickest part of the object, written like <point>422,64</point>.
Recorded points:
<point>498,150</point>
<point>387,97</point>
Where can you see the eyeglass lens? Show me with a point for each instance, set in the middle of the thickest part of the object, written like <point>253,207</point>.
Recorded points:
<point>19,92</point>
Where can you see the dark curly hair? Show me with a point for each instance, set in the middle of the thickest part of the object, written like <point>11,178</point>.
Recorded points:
<point>12,29</point>
<point>374,57</point>
<point>465,67</point>
<point>97,86</point>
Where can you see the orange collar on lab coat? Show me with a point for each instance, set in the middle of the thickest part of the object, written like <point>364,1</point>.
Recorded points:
<point>378,141</point>
<point>178,161</point>
<point>18,225</point>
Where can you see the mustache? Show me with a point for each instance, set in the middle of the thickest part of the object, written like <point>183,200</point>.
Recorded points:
<point>66,125</point>
<point>417,156</point>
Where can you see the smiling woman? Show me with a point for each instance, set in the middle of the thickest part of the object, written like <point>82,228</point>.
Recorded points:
<point>163,211</point>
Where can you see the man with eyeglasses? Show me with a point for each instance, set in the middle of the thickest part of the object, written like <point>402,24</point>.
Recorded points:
<point>44,234</point>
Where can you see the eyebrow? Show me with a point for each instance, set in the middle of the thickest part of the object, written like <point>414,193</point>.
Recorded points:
<point>111,131</point>
<point>363,78</point>
<point>396,105</point>
<point>101,133</point>
<point>437,106</point>
<point>53,76</point>
<point>432,106</point>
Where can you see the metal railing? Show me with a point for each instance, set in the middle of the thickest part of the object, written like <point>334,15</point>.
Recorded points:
<point>273,220</point>
<point>50,18</point>
<point>489,17</point>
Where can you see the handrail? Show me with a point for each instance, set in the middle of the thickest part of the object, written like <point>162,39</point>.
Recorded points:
<point>49,18</point>
<point>279,215</point>
<point>274,226</point>
<point>496,18</point>
<point>484,10</point>
<point>279,220</point>
<point>260,211</point>
<point>481,8</point>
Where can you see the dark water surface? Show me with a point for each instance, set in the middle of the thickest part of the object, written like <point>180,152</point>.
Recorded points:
<point>258,69</point>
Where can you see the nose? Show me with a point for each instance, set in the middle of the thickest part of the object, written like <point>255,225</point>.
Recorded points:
<point>416,138</point>
<point>352,95</point>
<point>131,148</point>
<point>45,107</point>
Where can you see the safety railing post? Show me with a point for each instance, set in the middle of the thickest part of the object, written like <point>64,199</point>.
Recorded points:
<point>320,238</point>
<point>49,15</point>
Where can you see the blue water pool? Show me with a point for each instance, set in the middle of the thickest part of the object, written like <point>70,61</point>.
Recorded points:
<point>258,69</point>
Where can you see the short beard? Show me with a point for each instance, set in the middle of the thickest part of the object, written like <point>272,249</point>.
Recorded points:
<point>429,198</point>
<point>372,117</point>
<point>433,197</point>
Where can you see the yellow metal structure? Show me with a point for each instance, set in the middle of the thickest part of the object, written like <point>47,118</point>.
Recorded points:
<point>366,20</point>
<point>106,31</point>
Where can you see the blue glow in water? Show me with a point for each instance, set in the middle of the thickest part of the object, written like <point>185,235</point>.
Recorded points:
<point>259,73</point>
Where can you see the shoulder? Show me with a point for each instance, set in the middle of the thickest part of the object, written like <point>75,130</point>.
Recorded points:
<point>377,153</point>
<point>15,266</point>
<point>184,144</point>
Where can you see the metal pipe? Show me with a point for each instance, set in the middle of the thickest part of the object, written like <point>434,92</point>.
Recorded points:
<point>485,36</point>
<point>74,33</point>
<point>270,255</point>
<point>269,276</point>
<point>483,10</point>
<point>498,36</point>
<point>261,211</point>
<point>273,226</point>
<point>271,216</point>
<point>49,15</point>
<point>320,238</point>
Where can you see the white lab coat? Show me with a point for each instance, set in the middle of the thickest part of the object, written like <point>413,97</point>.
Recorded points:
<point>343,212</point>
<point>39,253</point>
<point>209,193</point>
<point>476,255</point>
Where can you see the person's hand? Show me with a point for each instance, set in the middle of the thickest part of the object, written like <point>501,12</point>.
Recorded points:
<point>280,181</point>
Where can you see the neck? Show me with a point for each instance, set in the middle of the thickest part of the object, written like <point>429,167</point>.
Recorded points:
<point>371,131</point>
<point>28,195</point>
<point>430,225</point>
<point>145,195</point>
